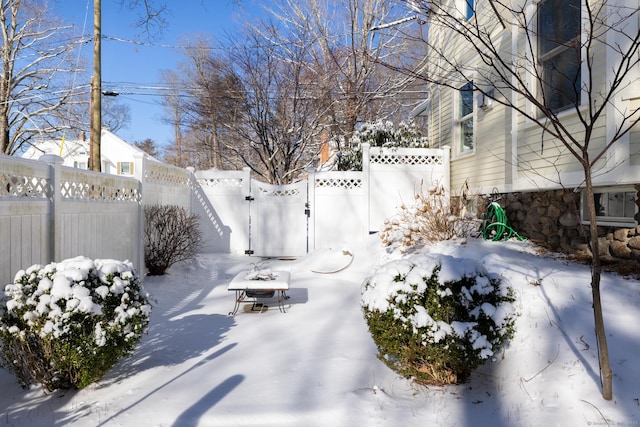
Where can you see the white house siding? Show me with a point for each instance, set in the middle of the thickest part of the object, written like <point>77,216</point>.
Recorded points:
<point>487,166</point>
<point>514,155</point>
<point>539,155</point>
<point>634,145</point>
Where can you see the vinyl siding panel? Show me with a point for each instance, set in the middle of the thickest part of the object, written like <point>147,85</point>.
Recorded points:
<point>487,167</point>
<point>536,154</point>
<point>634,137</point>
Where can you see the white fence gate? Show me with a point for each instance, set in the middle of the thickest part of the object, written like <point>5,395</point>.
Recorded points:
<point>278,219</point>
<point>243,215</point>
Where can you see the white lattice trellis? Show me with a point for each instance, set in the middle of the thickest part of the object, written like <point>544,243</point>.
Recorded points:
<point>279,192</point>
<point>87,191</point>
<point>406,159</point>
<point>347,183</point>
<point>221,182</point>
<point>164,174</point>
<point>25,186</point>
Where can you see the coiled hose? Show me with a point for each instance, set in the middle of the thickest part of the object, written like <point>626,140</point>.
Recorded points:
<point>495,227</point>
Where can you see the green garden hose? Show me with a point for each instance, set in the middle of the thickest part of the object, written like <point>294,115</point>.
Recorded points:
<point>495,226</point>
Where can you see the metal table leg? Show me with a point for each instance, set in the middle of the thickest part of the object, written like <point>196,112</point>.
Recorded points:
<point>240,295</point>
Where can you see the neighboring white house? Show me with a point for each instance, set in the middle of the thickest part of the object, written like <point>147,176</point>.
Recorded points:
<point>117,154</point>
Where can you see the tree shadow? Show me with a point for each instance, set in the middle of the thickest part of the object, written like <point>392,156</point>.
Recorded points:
<point>215,234</point>
<point>172,342</point>
<point>162,386</point>
<point>192,415</point>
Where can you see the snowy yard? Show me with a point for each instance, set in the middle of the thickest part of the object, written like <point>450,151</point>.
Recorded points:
<point>316,364</point>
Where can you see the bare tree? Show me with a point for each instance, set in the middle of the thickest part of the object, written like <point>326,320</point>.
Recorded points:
<point>202,97</point>
<point>34,56</point>
<point>216,101</point>
<point>279,121</point>
<point>343,53</point>
<point>173,104</point>
<point>555,80</point>
<point>152,19</point>
<point>115,115</point>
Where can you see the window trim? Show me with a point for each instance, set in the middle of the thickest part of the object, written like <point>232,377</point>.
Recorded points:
<point>469,9</point>
<point>460,120</point>
<point>609,220</point>
<point>120,170</point>
<point>533,30</point>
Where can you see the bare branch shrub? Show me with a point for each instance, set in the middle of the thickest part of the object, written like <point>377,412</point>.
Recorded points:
<point>171,235</point>
<point>433,217</point>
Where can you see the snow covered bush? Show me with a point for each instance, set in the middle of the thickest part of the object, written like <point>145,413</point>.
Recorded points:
<point>433,217</point>
<point>435,318</point>
<point>171,235</point>
<point>65,324</point>
<point>379,134</point>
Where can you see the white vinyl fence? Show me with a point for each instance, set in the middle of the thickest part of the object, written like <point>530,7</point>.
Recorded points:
<point>340,203</point>
<point>49,212</point>
<point>397,174</point>
<point>326,210</point>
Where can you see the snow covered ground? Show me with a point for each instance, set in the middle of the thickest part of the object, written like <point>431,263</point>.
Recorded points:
<point>316,364</point>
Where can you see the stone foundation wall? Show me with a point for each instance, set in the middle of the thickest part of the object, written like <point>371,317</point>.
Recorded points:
<point>552,220</point>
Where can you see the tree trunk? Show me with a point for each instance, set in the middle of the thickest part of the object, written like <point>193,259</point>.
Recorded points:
<point>606,375</point>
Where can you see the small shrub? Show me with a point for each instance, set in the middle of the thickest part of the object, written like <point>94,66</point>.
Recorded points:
<point>436,318</point>
<point>64,325</point>
<point>171,235</point>
<point>433,217</point>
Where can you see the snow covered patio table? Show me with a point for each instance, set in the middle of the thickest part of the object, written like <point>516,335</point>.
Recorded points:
<point>259,284</point>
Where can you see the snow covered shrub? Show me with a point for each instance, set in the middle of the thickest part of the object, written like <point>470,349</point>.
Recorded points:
<point>64,325</point>
<point>435,318</point>
<point>171,235</point>
<point>379,134</point>
<point>433,217</point>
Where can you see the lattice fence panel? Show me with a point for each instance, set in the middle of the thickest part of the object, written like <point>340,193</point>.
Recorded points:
<point>347,183</point>
<point>390,158</point>
<point>24,186</point>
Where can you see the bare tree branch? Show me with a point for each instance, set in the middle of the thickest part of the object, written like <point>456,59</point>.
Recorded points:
<point>555,81</point>
<point>34,57</point>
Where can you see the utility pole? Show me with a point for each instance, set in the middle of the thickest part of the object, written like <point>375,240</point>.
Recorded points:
<point>95,95</point>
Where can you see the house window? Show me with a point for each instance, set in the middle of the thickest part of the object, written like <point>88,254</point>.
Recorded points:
<point>614,206</point>
<point>559,52</point>
<point>465,120</point>
<point>469,8</point>
<point>125,168</point>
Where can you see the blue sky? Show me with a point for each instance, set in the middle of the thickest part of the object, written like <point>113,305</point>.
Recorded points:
<point>126,64</point>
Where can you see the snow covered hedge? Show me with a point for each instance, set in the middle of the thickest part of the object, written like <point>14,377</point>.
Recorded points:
<point>436,318</point>
<point>66,324</point>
